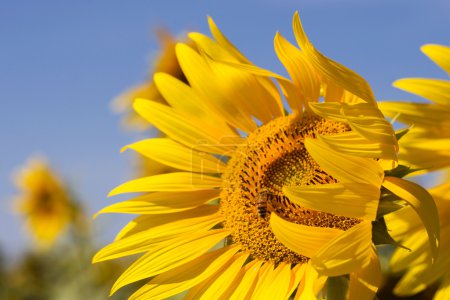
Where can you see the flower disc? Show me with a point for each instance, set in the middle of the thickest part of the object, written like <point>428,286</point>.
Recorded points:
<point>275,156</point>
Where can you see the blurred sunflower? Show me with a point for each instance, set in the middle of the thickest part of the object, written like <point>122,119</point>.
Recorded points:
<point>427,148</point>
<point>427,145</point>
<point>166,61</point>
<point>44,201</point>
<point>269,204</point>
<point>419,273</point>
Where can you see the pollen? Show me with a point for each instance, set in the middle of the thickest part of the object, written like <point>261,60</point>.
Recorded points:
<point>274,156</point>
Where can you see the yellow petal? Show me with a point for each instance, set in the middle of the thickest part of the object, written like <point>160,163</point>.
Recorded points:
<point>185,276</point>
<point>343,167</point>
<point>264,273</point>
<point>343,76</point>
<point>374,129</point>
<point>439,54</point>
<point>422,202</point>
<point>225,43</point>
<point>218,94</point>
<point>186,101</point>
<point>304,240</point>
<point>417,113</point>
<point>297,274</point>
<point>349,251</point>
<point>365,282</point>
<point>247,92</point>
<point>354,144</point>
<point>169,255</point>
<point>436,90</point>
<point>355,200</point>
<point>170,182</point>
<point>301,71</point>
<point>216,286</point>
<point>159,228</point>
<point>171,153</point>
<point>402,222</point>
<point>276,284</point>
<point>182,129</point>
<point>248,279</point>
<point>162,202</point>
<point>311,284</point>
<point>419,252</point>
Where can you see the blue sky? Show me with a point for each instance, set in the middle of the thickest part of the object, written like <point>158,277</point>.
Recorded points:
<point>61,62</point>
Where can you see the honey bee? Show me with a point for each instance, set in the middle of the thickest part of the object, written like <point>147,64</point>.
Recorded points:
<point>262,201</point>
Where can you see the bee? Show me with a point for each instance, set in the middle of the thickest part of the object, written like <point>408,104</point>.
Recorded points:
<point>262,201</point>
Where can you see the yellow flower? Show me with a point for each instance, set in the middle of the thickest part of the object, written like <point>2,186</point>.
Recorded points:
<point>165,62</point>
<point>427,147</point>
<point>44,202</point>
<point>265,204</point>
<point>420,274</point>
<point>427,144</point>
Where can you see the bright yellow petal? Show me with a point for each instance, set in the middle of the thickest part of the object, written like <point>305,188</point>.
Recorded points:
<point>417,114</point>
<point>182,129</point>
<point>247,283</point>
<point>436,90</point>
<point>365,282</point>
<point>417,252</point>
<point>304,240</point>
<point>374,129</point>
<point>349,251</point>
<point>345,168</point>
<point>355,200</point>
<point>159,228</point>
<point>171,153</point>
<point>343,76</point>
<point>402,222</point>
<point>216,286</point>
<point>186,101</point>
<point>276,285</point>
<point>218,94</point>
<point>422,202</point>
<point>170,182</point>
<point>169,255</point>
<point>162,203</point>
<point>311,284</point>
<point>185,276</point>
<point>297,274</point>
<point>439,54</point>
<point>264,273</point>
<point>225,43</point>
<point>354,144</point>
<point>301,71</point>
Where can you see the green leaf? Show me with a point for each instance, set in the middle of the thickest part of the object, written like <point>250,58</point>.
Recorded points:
<point>381,236</point>
<point>400,133</point>
<point>400,171</point>
<point>337,287</point>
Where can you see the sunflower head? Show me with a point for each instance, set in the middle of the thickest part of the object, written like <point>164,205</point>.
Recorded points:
<point>44,202</point>
<point>264,202</point>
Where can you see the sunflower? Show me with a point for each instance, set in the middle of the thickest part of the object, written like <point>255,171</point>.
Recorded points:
<point>166,61</point>
<point>427,145</point>
<point>44,202</point>
<point>416,262</point>
<point>266,204</point>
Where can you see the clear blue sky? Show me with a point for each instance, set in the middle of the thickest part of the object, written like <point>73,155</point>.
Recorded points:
<point>61,62</point>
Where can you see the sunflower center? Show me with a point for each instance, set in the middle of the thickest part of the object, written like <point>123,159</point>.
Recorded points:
<point>275,156</point>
